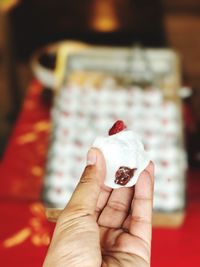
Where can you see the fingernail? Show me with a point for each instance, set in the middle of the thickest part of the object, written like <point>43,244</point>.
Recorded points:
<point>91,157</point>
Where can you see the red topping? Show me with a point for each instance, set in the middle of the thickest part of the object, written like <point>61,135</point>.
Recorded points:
<point>117,127</point>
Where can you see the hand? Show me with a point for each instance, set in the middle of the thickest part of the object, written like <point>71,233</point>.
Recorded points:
<point>104,227</point>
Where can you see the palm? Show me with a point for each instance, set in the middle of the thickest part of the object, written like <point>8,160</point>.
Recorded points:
<point>116,253</point>
<point>125,225</point>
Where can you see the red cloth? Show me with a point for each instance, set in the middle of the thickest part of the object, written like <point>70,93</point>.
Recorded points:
<point>180,247</point>
<point>25,232</point>
<point>23,164</point>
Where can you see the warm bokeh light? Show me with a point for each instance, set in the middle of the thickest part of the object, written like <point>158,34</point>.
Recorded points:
<point>7,4</point>
<point>104,17</point>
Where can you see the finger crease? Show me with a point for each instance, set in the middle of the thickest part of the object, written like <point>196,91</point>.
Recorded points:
<point>145,242</point>
<point>87,179</point>
<point>118,206</point>
<point>142,199</point>
<point>140,219</point>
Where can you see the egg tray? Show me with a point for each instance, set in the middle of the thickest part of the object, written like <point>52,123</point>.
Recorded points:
<point>83,86</point>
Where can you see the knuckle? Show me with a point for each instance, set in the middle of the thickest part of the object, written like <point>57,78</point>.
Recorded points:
<point>86,179</point>
<point>88,168</point>
<point>140,219</point>
<point>72,214</point>
<point>117,205</point>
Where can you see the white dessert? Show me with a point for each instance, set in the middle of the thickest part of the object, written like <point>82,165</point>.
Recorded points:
<point>123,149</point>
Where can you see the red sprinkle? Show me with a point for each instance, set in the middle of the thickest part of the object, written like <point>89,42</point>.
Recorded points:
<point>117,127</point>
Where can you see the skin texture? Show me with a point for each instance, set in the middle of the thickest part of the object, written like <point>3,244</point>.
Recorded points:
<point>104,227</point>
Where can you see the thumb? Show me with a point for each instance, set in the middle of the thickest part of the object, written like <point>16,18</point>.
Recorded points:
<point>85,196</point>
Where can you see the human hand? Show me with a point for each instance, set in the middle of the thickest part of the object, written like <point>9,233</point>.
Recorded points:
<point>104,227</point>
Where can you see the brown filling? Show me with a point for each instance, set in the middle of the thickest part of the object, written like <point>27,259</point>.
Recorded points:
<point>123,175</point>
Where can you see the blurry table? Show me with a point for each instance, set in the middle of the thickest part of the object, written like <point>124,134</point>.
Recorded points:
<point>25,232</point>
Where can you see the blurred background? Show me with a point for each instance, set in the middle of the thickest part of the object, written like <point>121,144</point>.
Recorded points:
<point>27,27</point>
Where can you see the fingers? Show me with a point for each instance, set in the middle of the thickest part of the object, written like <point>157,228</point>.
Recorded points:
<point>150,170</point>
<point>102,200</point>
<point>117,208</point>
<point>85,196</point>
<point>141,217</point>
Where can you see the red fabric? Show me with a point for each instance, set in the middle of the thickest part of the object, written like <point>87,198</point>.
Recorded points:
<point>180,247</point>
<point>25,232</point>
<point>23,164</point>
